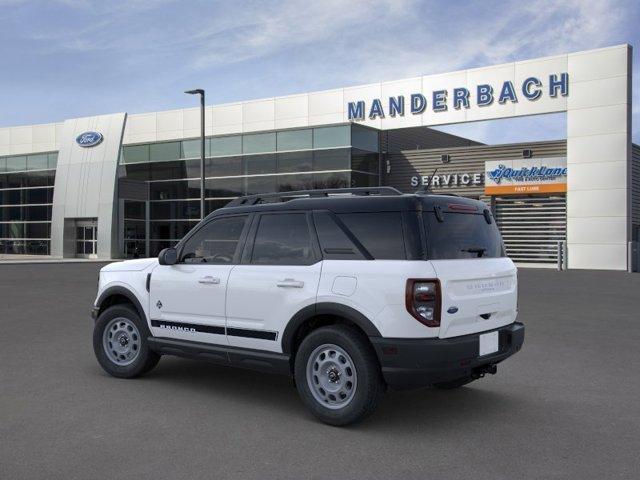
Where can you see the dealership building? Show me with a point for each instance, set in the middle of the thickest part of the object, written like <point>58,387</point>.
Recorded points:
<point>127,185</point>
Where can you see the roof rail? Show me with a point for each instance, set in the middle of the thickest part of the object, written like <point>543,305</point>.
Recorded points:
<point>285,196</point>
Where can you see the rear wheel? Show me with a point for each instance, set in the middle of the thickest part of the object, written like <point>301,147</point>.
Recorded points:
<point>337,375</point>
<point>120,343</point>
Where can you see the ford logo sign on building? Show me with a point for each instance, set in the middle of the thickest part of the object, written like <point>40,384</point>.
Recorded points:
<point>89,139</point>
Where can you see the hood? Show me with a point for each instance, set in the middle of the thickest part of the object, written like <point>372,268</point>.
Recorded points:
<point>130,265</point>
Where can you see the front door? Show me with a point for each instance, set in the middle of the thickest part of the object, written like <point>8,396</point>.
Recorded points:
<point>87,238</point>
<point>279,276</point>
<point>187,300</point>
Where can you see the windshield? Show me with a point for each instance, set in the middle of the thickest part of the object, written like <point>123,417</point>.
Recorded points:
<point>462,235</point>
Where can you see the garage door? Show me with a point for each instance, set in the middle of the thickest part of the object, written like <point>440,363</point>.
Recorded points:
<point>532,226</point>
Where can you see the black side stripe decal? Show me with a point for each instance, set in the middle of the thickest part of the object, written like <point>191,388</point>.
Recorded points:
<point>217,330</point>
<point>262,334</point>
<point>188,327</point>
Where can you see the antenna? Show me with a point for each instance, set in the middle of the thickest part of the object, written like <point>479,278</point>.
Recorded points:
<point>425,189</point>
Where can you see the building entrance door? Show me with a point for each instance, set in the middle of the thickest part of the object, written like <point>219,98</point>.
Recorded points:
<point>87,238</point>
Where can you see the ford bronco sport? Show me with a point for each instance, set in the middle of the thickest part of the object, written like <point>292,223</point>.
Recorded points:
<point>349,291</point>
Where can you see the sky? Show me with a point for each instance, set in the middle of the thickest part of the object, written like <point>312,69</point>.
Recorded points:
<point>71,58</point>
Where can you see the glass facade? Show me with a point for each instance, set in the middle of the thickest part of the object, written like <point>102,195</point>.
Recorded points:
<point>26,196</point>
<point>236,165</point>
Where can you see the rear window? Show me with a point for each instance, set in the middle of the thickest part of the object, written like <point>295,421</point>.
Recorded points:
<point>462,235</point>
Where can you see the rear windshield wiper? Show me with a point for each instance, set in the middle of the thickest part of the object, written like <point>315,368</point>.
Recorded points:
<point>479,250</point>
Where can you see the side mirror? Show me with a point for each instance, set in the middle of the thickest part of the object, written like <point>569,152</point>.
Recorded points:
<point>168,256</point>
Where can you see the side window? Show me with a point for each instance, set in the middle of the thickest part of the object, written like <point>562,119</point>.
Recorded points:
<point>334,242</point>
<point>283,239</point>
<point>215,243</point>
<point>380,233</point>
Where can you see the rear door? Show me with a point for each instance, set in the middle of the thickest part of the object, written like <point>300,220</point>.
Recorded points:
<point>187,300</point>
<point>478,282</point>
<point>279,276</point>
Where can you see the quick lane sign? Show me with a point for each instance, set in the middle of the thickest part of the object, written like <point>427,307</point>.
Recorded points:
<point>533,175</point>
<point>483,95</point>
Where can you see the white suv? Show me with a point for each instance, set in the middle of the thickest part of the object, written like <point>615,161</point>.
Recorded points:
<point>349,291</point>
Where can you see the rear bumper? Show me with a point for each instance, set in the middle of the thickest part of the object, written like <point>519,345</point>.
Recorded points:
<point>413,363</point>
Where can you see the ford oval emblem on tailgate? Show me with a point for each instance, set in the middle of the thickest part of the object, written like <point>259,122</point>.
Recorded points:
<point>452,310</point>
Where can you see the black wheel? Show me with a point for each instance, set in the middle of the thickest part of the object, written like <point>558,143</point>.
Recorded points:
<point>337,375</point>
<point>120,343</point>
<point>453,383</point>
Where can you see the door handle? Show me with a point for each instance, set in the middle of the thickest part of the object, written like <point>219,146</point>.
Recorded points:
<point>209,280</point>
<point>290,283</point>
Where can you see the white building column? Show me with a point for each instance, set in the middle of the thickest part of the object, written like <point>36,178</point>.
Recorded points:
<point>599,158</point>
<point>85,185</point>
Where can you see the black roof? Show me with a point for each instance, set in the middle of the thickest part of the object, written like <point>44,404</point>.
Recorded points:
<point>384,200</point>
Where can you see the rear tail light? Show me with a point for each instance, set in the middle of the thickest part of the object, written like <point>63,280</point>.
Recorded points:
<point>423,301</point>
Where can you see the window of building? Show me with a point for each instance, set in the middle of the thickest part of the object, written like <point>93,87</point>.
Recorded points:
<point>38,162</point>
<point>160,152</point>
<point>260,164</point>
<point>260,184</point>
<point>331,180</point>
<point>282,239</point>
<point>223,166</point>
<point>52,159</point>
<point>17,164</point>
<point>191,148</point>
<point>173,230</point>
<point>225,187</point>
<point>295,162</point>
<point>259,143</point>
<point>364,138</point>
<point>214,243</point>
<point>295,140</point>
<point>135,154</point>
<point>288,183</point>
<point>225,146</point>
<point>332,137</point>
<point>174,210</point>
<point>364,161</point>
<point>380,233</point>
<point>339,159</point>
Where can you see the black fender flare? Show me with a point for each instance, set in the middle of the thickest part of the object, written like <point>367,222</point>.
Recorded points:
<point>125,292</point>
<point>325,308</point>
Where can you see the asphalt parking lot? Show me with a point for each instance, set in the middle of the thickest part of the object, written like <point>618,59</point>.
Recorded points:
<point>567,406</point>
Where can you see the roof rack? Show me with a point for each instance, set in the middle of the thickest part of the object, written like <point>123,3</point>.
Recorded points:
<point>285,196</point>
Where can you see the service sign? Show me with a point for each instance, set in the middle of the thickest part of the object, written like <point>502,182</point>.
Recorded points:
<point>523,176</point>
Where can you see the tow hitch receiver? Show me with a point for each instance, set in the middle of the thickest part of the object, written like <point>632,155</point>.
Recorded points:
<point>483,370</point>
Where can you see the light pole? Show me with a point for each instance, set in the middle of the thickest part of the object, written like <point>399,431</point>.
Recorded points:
<point>200,91</point>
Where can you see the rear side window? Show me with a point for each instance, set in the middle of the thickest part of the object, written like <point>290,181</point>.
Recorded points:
<point>461,235</point>
<point>334,242</point>
<point>380,233</point>
<point>283,239</point>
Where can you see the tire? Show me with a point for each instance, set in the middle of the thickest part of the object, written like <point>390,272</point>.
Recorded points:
<point>128,353</point>
<point>346,358</point>
<point>453,384</point>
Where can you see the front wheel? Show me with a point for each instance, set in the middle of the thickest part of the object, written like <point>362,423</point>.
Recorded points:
<point>120,343</point>
<point>337,375</point>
